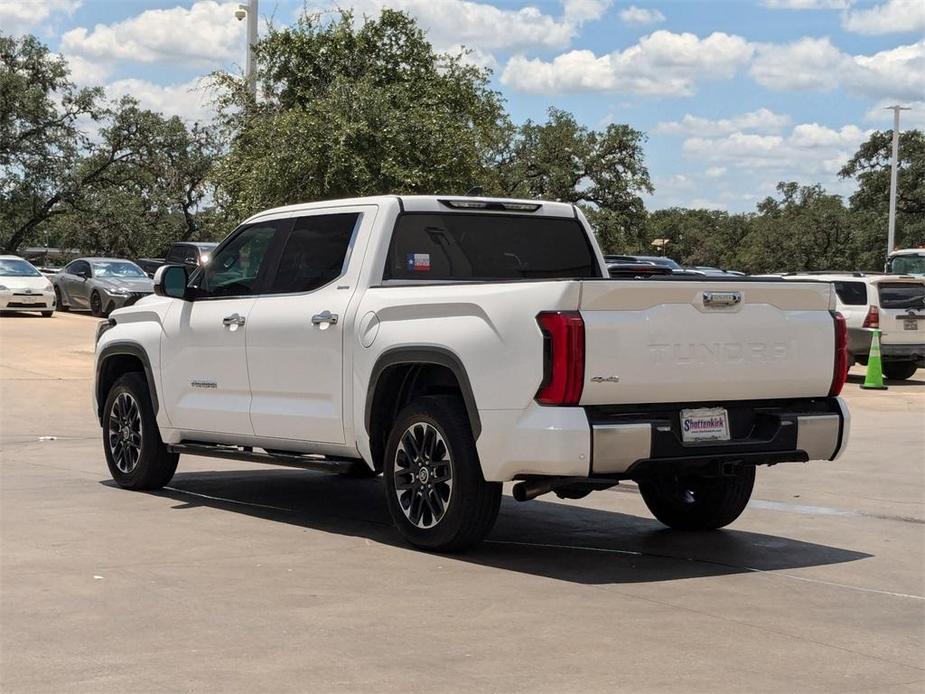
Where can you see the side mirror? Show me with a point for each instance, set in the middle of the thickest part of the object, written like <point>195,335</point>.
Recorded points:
<point>83,274</point>
<point>171,280</point>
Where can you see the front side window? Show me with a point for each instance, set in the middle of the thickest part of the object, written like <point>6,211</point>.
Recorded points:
<point>116,268</point>
<point>315,252</point>
<point>484,247</point>
<point>235,269</point>
<point>78,267</point>
<point>15,267</point>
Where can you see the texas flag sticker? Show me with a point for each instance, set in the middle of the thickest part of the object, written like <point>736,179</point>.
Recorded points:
<point>419,262</point>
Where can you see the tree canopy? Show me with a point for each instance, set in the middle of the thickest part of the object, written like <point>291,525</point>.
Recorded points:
<point>349,107</point>
<point>352,109</point>
<point>101,176</point>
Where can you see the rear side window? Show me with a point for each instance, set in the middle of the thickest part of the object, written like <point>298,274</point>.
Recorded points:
<point>314,253</point>
<point>851,293</point>
<point>488,247</point>
<point>902,295</point>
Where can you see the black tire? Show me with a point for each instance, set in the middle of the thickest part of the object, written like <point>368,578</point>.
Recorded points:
<point>152,465</point>
<point>467,505</point>
<point>59,304</point>
<point>698,503</point>
<point>96,305</point>
<point>899,370</point>
<point>47,314</point>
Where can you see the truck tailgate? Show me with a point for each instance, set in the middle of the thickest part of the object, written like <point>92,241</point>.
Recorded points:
<point>699,341</point>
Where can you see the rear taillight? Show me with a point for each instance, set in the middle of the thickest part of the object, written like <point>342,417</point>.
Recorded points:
<point>563,357</point>
<point>872,319</point>
<point>840,374</point>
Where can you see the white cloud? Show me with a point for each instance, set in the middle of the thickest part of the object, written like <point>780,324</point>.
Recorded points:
<point>816,64</point>
<point>660,64</point>
<point>204,34</point>
<point>897,72</point>
<point>706,204</point>
<point>806,4</point>
<point>580,11</point>
<point>189,100</point>
<point>17,16</point>
<point>761,120</point>
<point>479,25</point>
<point>715,172</point>
<point>87,73</point>
<point>892,16</point>
<point>809,148</point>
<point>639,16</point>
<point>807,63</point>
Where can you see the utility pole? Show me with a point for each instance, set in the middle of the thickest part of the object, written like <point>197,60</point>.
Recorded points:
<point>249,11</point>
<point>891,234</point>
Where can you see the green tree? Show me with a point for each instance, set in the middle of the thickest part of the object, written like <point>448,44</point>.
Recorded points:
<point>152,190</point>
<point>604,172</point>
<point>870,166</point>
<point>137,180</point>
<point>40,136</point>
<point>700,236</point>
<point>355,109</point>
<point>806,228</point>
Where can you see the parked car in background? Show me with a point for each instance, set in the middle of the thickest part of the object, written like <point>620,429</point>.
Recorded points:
<point>908,261</point>
<point>717,272</point>
<point>24,288</point>
<point>653,259</point>
<point>893,303</point>
<point>100,285</point>
<point>192,254</point>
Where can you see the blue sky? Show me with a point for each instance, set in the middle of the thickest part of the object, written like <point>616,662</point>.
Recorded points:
<point>734,96</point>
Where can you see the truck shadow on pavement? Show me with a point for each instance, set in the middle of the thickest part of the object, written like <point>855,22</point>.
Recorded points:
<point>542,538</point>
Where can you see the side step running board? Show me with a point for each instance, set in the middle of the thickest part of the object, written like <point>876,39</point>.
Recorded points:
<point>306,462</point>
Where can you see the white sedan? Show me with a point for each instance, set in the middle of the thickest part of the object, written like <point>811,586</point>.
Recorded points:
<point>23,288</point>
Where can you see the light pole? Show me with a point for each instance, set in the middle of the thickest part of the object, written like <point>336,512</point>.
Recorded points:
<point>891,234</point>
<point>249,11</point>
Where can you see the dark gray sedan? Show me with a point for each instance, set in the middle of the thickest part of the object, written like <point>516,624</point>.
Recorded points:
<point>100,284</point>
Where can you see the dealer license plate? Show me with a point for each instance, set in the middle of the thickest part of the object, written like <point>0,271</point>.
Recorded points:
<point>705,424</point>
<point>910,324</point>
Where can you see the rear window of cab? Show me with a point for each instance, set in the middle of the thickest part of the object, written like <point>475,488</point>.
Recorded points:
<point>483,247</point>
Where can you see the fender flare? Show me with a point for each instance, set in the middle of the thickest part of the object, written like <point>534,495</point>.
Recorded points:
<point>424,355</point>
<point>118,348</point>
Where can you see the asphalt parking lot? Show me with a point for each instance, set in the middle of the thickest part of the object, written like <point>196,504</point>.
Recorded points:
<point>247,578</point>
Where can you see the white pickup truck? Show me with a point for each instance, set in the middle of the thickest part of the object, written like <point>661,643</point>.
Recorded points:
<point>453,344</point>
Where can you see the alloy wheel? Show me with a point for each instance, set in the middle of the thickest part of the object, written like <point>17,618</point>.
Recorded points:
<point>423,474</point>
<point>125,432</point>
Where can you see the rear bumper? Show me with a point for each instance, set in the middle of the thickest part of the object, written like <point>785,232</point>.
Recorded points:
<point>859,346</point>
<point>630,441</point>
<point>643,440</point>
<point>905,352</point>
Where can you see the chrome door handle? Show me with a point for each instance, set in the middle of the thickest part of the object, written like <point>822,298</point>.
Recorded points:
<point>324,317</point>
<point>233,319</point>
